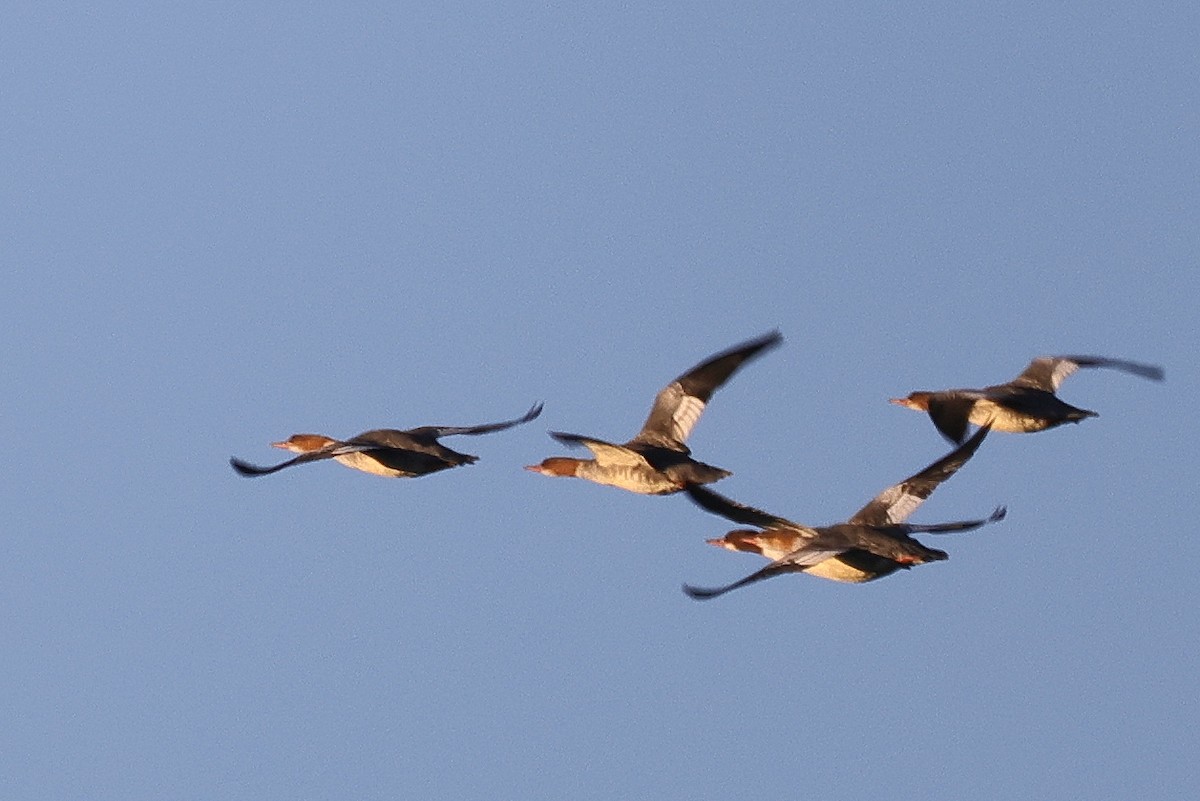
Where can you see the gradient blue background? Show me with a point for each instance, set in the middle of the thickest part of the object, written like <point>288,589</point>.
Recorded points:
<point>225,222</point>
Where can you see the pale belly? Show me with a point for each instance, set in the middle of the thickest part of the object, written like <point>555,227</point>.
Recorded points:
<point>363,462</point>
<point>836,570</point>
<point>1002,419</point>
<point>639,478</point>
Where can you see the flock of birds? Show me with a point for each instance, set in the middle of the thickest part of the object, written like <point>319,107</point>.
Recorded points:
<point>874,542</point>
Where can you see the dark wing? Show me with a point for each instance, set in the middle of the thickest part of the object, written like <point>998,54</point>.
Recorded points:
<point>811,553</point>
<point>732,510</point>
<point>770,571</point>
<point>606,453</point>
<point>678,406</point>
<point>951,415</point>
<point>433,432</point>
<point>896,503</point>
<point>249,470</point>
<point>961,525</point>
<point>1048,372</point>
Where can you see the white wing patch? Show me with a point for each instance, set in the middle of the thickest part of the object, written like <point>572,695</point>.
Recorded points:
<point>1061,370</point>
<point>903,507</point>
<point>899,504</point>
<point>685,415</point>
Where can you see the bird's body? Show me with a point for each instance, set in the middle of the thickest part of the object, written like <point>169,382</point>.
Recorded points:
<point>384,452</point>
<point>387,452</point>
<point>874,543</point>
<point>853,565</point>
<point>1024,405</point>
<point>657,472</point>
<point>657,461</point>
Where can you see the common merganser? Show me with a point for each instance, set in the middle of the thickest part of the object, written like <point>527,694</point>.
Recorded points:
<point>385,451</point>
<point>1025,404</point>
<point>656,461</point>
<point>875,542</point>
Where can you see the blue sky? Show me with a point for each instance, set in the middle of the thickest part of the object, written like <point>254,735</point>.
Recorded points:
<point>226,224</point>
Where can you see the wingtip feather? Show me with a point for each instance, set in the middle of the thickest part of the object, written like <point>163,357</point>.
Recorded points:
<point>700,593</point>
<point>244,468</point>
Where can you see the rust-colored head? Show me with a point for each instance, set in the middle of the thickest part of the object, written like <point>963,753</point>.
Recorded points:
<point>303,443</point>
<point>772,543</point>
<point>555,466</point>
<point>915,400</point>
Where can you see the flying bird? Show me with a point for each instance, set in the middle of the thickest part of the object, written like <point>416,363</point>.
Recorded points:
<point>385,451</point>
<point>1023,405</point>
<point>657,461</point>
<point>874,543</point>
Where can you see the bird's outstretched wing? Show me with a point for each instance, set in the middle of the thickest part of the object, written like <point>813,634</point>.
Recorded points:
<point>606,453</point>
<point>1048,372</point>
<point>433,432</point>
<point>737,512</point>
<point>896,503</point>
<point>997,515</point>
<point>328,452</point>
<point>678,406</point>
<point>770,571</point>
